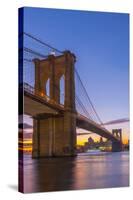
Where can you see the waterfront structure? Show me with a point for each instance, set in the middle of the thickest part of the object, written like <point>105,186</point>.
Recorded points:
<point>54,123</point>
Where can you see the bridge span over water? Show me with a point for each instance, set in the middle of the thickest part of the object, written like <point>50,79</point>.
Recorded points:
<point>36,105</point>
<point>54,122</point>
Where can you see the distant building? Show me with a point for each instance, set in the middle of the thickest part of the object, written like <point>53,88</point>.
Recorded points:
<point>90,141</point>
<point>90,144</point>
<point>101,141</point>
<point>101,144</point>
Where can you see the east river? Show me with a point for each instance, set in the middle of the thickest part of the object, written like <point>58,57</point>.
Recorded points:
<point>86,171</point>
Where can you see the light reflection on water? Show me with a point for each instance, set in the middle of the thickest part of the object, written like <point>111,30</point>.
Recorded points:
<point>86,171</point>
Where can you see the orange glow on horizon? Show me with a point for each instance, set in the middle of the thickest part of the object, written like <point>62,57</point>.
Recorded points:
<point>82,139</point>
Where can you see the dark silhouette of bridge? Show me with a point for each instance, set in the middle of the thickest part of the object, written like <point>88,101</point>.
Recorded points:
<point>57,112</point>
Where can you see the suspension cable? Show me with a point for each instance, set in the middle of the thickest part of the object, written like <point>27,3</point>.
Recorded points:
<point>44,56</point>
<point>41,42</point>
<point>88,96</point>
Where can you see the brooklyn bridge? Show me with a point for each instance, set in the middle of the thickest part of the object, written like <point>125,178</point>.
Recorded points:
<point>53,94</point>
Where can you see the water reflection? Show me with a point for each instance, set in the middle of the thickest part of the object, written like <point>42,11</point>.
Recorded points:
<point>109,170</point>
<point>82,172</point>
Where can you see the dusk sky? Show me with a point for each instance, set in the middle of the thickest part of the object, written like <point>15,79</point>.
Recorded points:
<point>100,42</point>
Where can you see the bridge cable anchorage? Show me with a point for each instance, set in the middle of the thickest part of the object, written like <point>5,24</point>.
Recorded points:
<point>41,42</point>
<point>88,97</point>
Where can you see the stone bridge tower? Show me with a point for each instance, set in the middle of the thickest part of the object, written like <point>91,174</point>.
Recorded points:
<point>117,146</point>
<point>55,135</point>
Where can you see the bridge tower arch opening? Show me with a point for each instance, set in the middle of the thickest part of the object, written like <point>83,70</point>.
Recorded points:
<point>62,89</point>
<point>47,86</point>
<point>54,134</point>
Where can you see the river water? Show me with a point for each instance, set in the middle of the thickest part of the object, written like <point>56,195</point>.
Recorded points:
<point>86,171</point>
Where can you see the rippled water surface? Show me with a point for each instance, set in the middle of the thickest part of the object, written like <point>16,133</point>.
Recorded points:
<point>86,171</point>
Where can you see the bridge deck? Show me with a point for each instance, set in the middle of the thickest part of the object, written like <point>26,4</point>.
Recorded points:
<point>87,124</point>
<point>36,104</point>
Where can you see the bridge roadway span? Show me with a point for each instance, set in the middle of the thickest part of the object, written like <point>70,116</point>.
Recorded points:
<point>37,104</point>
